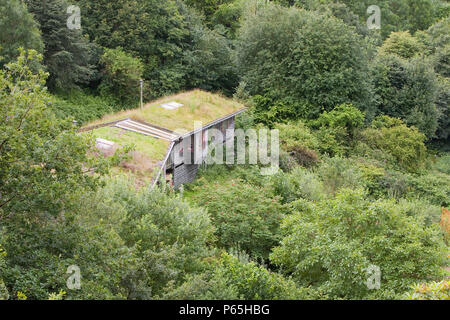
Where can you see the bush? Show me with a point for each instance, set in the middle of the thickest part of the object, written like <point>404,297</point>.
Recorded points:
<point>402,44</point>
<point>296,134</point>
<point>329,245</point>
<point>121,75</point>
<point>435,187</point>
<point>337,173</point>
<point>299,184</point>
<point>405,144</point>
<point>407,89</point>
<point>442,164</point>
<point>245,216</point>
<point>299,142</point>
<point>430,291</point>
<point>231,279</point>
<point>308,61</point>
<point>82,106</point>
<point>337,128</point>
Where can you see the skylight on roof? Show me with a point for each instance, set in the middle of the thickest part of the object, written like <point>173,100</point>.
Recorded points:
<point>171,105</point>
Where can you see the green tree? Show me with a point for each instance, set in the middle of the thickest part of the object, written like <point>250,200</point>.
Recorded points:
<point>407,89</point>
<point>68,55</point>
<point>405,144</point>
<point>330,245</point>
<point>230,278</point>
<point>309,61</point>
<point>44,177</point>
<point>402,44</point>
<point>41,158</point>
<point>121,75</point>
<point>244,218</point>
<point>19,30</point>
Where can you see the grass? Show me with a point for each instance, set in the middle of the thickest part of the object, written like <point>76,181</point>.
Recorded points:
<point>198,106</point>
<point>145,159</point>
<point>151,147</point>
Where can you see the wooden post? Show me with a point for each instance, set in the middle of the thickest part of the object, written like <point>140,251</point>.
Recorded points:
<point>141,82</point>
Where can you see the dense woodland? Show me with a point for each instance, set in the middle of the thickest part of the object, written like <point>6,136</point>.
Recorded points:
<point>363,119</point>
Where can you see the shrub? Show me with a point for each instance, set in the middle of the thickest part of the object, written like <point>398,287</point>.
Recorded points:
<point>296,134</point>
<point>405,144</point>
<point>231,279</point>
<point>121,75</point>
<point>329,245</point>
<point>299,142</point>
<point>337,173</point>
<point>245,216</point>
<point>402,44</point>
<point>281,55</point>
<point>435,187</point>
<point>337,128</point>
<point>407,89</point>
<point>299,184</point>
<point>430,291</point>
<point>82,106</point>
<point>442,164</point>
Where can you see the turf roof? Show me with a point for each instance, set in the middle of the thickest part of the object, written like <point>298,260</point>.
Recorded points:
<point>198,105</point>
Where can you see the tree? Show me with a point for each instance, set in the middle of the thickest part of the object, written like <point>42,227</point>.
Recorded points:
<point>41,158</point>
<point>402,44</point>
<point>43,174</point>
<point>121,75</point>
<point>229,278</point>
<point>407,89</point>
<point>68,55</point>
<point>405,144</point>
<point>330,245</point>
<point>244,218</point>
<point>309,61</point>
<point>400,15</point>
<point>19,30</point>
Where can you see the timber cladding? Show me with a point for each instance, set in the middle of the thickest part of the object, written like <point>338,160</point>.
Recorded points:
<point>184,173</point>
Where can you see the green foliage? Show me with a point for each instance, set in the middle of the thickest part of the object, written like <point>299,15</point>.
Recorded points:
<point>296,134</point>
<point>310,62</point>
<point>210,64</point>
<point>228,16</point>
<point>405,144</point>
<point>337,173</point>
<point>82,106</point>
<point>19,30</point>
<point>299,184</point>
<point>337,128</point>
<point>400,15</point>
<point>168,37</point>
<point>121,75</point>
<point>4,295</point>
<point>407,89</point>
<point>434,187</point>
<point>171,237</point>
<point>229,278</point>
<point>68,55</point>
<point>243,215</point>
<point>329,245</point>
<point>402,44</point>
<point>299,142</point>
<point>443,107</point>
<point>41,158</point>
<point>430,291</point>
<point>442,164</point>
